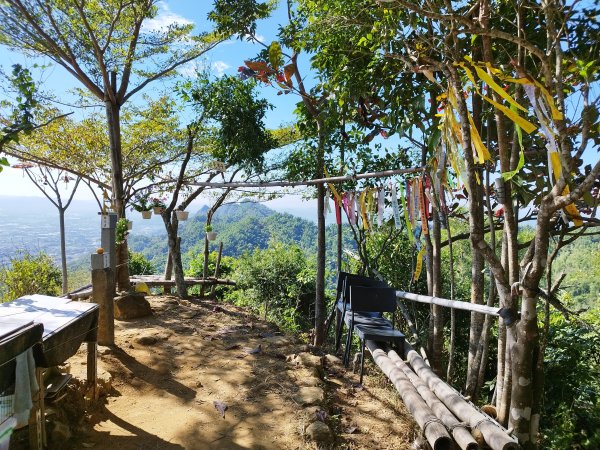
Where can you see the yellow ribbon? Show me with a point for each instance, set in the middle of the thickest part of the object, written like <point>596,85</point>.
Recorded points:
<point>419,265</point>
<point>333,190</point>
<point>571,209</point>
<point>363,209</point>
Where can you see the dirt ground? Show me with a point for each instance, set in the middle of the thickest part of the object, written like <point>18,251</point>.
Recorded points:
<point>171,372</point>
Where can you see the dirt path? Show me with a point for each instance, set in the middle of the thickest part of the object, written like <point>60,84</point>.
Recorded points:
<point>168,371</point>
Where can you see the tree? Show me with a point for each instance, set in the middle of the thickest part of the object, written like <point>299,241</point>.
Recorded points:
<point>274,66</point>
<point>45,180</point>
<point>81,148</point>
<point>105,47</point>
<point>279,282</point>
<point>228,126</point>
<point>523,68</point>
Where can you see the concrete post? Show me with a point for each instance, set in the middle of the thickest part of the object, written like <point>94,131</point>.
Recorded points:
<point>108,242</point>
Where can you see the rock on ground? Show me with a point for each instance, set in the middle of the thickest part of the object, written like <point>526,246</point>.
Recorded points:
<point>132,305</point>
<point>319,432</point>
<point>309,396</point>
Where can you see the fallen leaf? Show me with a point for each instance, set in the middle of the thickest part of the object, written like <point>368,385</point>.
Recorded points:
<point>349,430</point>
<point>321,415</point>
<point>221,407</point>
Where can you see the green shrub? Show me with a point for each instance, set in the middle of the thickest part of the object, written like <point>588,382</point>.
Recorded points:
<point>196,265</point>
<point>571,415</point>
<point>278,282</point>
<point>30,274</point>
<point>139,265</point>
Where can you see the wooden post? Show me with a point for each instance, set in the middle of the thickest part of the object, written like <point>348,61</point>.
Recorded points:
<point>168,272</point>
<point>205,268</point>
<point>103,295</point>
<point>37,430</point>
<point>217,267</point>
<point>92,368</point>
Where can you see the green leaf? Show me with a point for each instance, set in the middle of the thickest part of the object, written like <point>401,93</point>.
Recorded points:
<point>275,54</point>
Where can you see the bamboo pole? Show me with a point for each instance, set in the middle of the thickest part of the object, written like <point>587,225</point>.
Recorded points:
<point>433,429</point>
<point>385,173</point>
<point>459,430</point>
<point>466,306</point>
<point>496,437</point>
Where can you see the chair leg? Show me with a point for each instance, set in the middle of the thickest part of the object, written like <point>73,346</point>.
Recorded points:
<point>362,359</point>
<point>348,345</point>
<point>340,329</point>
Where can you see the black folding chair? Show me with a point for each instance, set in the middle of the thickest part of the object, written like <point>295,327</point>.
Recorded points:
<point>338,294</point>
<point>371,300</point>
<point>343,305</point>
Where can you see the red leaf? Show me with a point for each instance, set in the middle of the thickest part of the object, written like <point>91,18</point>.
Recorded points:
<point>258,66</point>
<point>289,72</point>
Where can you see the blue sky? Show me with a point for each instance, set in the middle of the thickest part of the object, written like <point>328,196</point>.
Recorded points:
<point>224,59</point>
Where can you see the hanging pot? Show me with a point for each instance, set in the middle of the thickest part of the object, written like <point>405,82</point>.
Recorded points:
<point>146,214</point>
<point>211,235</point>
<point>182,215</point>
<point>158,210</point>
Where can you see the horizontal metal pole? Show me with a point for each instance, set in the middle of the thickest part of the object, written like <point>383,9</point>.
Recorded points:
<point>466,306</point>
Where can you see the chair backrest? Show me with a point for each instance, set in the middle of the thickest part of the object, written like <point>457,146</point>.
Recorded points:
<point>372,299</point>
<point>340,284</point>
<point>358,280</point>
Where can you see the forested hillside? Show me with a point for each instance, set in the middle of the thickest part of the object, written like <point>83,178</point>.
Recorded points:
<point>242,227</point>
<point>581,262</point>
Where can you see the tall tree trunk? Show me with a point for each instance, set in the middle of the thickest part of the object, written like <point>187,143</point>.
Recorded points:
<point>340,242</point>
<point>452,344</point>
<point>477,263</point>
<point>63,250</point>
<point>523,356</point>
<point>524,351</point>
<point>320,308</point>
<point>438,311</point>
<point>477,288</point>
<point>172,227</point>
<point>113,118</point>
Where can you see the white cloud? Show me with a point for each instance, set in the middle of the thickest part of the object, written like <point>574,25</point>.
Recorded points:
<point>220,67</point>
<point>164,18</point>
<point>258,37</point>
<point>192,68</point>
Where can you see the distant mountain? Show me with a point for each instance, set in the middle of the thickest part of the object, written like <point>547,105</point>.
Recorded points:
<point>242,227</point>
<point>30,224</point>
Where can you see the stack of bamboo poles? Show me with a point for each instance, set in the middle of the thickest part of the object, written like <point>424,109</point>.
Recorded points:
<point>440,411</point>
